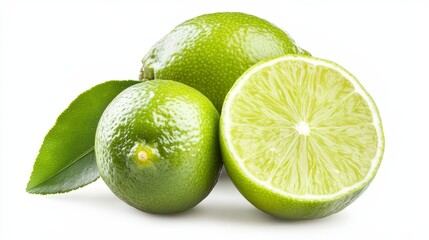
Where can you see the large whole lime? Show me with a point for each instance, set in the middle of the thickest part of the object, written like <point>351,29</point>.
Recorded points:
<point>211,51</point>
<point>157,146</point>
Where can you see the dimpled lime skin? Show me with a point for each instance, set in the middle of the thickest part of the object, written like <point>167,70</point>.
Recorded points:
<point>211,51</point>
<point>179,126</point>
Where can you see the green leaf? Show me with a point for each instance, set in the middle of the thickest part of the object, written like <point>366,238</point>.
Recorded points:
<point>66,159</point>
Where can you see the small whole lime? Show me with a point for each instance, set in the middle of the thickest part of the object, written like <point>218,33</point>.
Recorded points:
<point>211,51</point>
<point>157,146</point>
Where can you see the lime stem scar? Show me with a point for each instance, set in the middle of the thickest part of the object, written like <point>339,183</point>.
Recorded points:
<point>143,156</point>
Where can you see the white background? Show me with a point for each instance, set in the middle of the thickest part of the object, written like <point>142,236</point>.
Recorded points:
<point>52,50</point>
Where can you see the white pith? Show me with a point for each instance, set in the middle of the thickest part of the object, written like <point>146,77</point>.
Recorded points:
<point>303,129</point>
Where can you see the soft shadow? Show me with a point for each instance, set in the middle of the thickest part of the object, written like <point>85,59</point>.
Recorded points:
<point>247,215</point>
<point>100,199</point>
<point>230,213</point>
<point>224,175</point>
<point>217,213</point>
<point>226,207</point>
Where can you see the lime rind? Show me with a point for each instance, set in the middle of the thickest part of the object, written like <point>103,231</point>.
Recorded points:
<point>358,89</point>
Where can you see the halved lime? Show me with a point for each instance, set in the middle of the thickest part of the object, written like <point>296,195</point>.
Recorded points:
<point>300,137</point>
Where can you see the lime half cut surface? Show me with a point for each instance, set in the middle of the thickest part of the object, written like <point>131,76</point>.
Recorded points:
<point>300,137</point>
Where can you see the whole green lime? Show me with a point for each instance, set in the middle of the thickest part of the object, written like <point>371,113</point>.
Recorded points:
<point>157,146</point>
<point>211,51</point>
